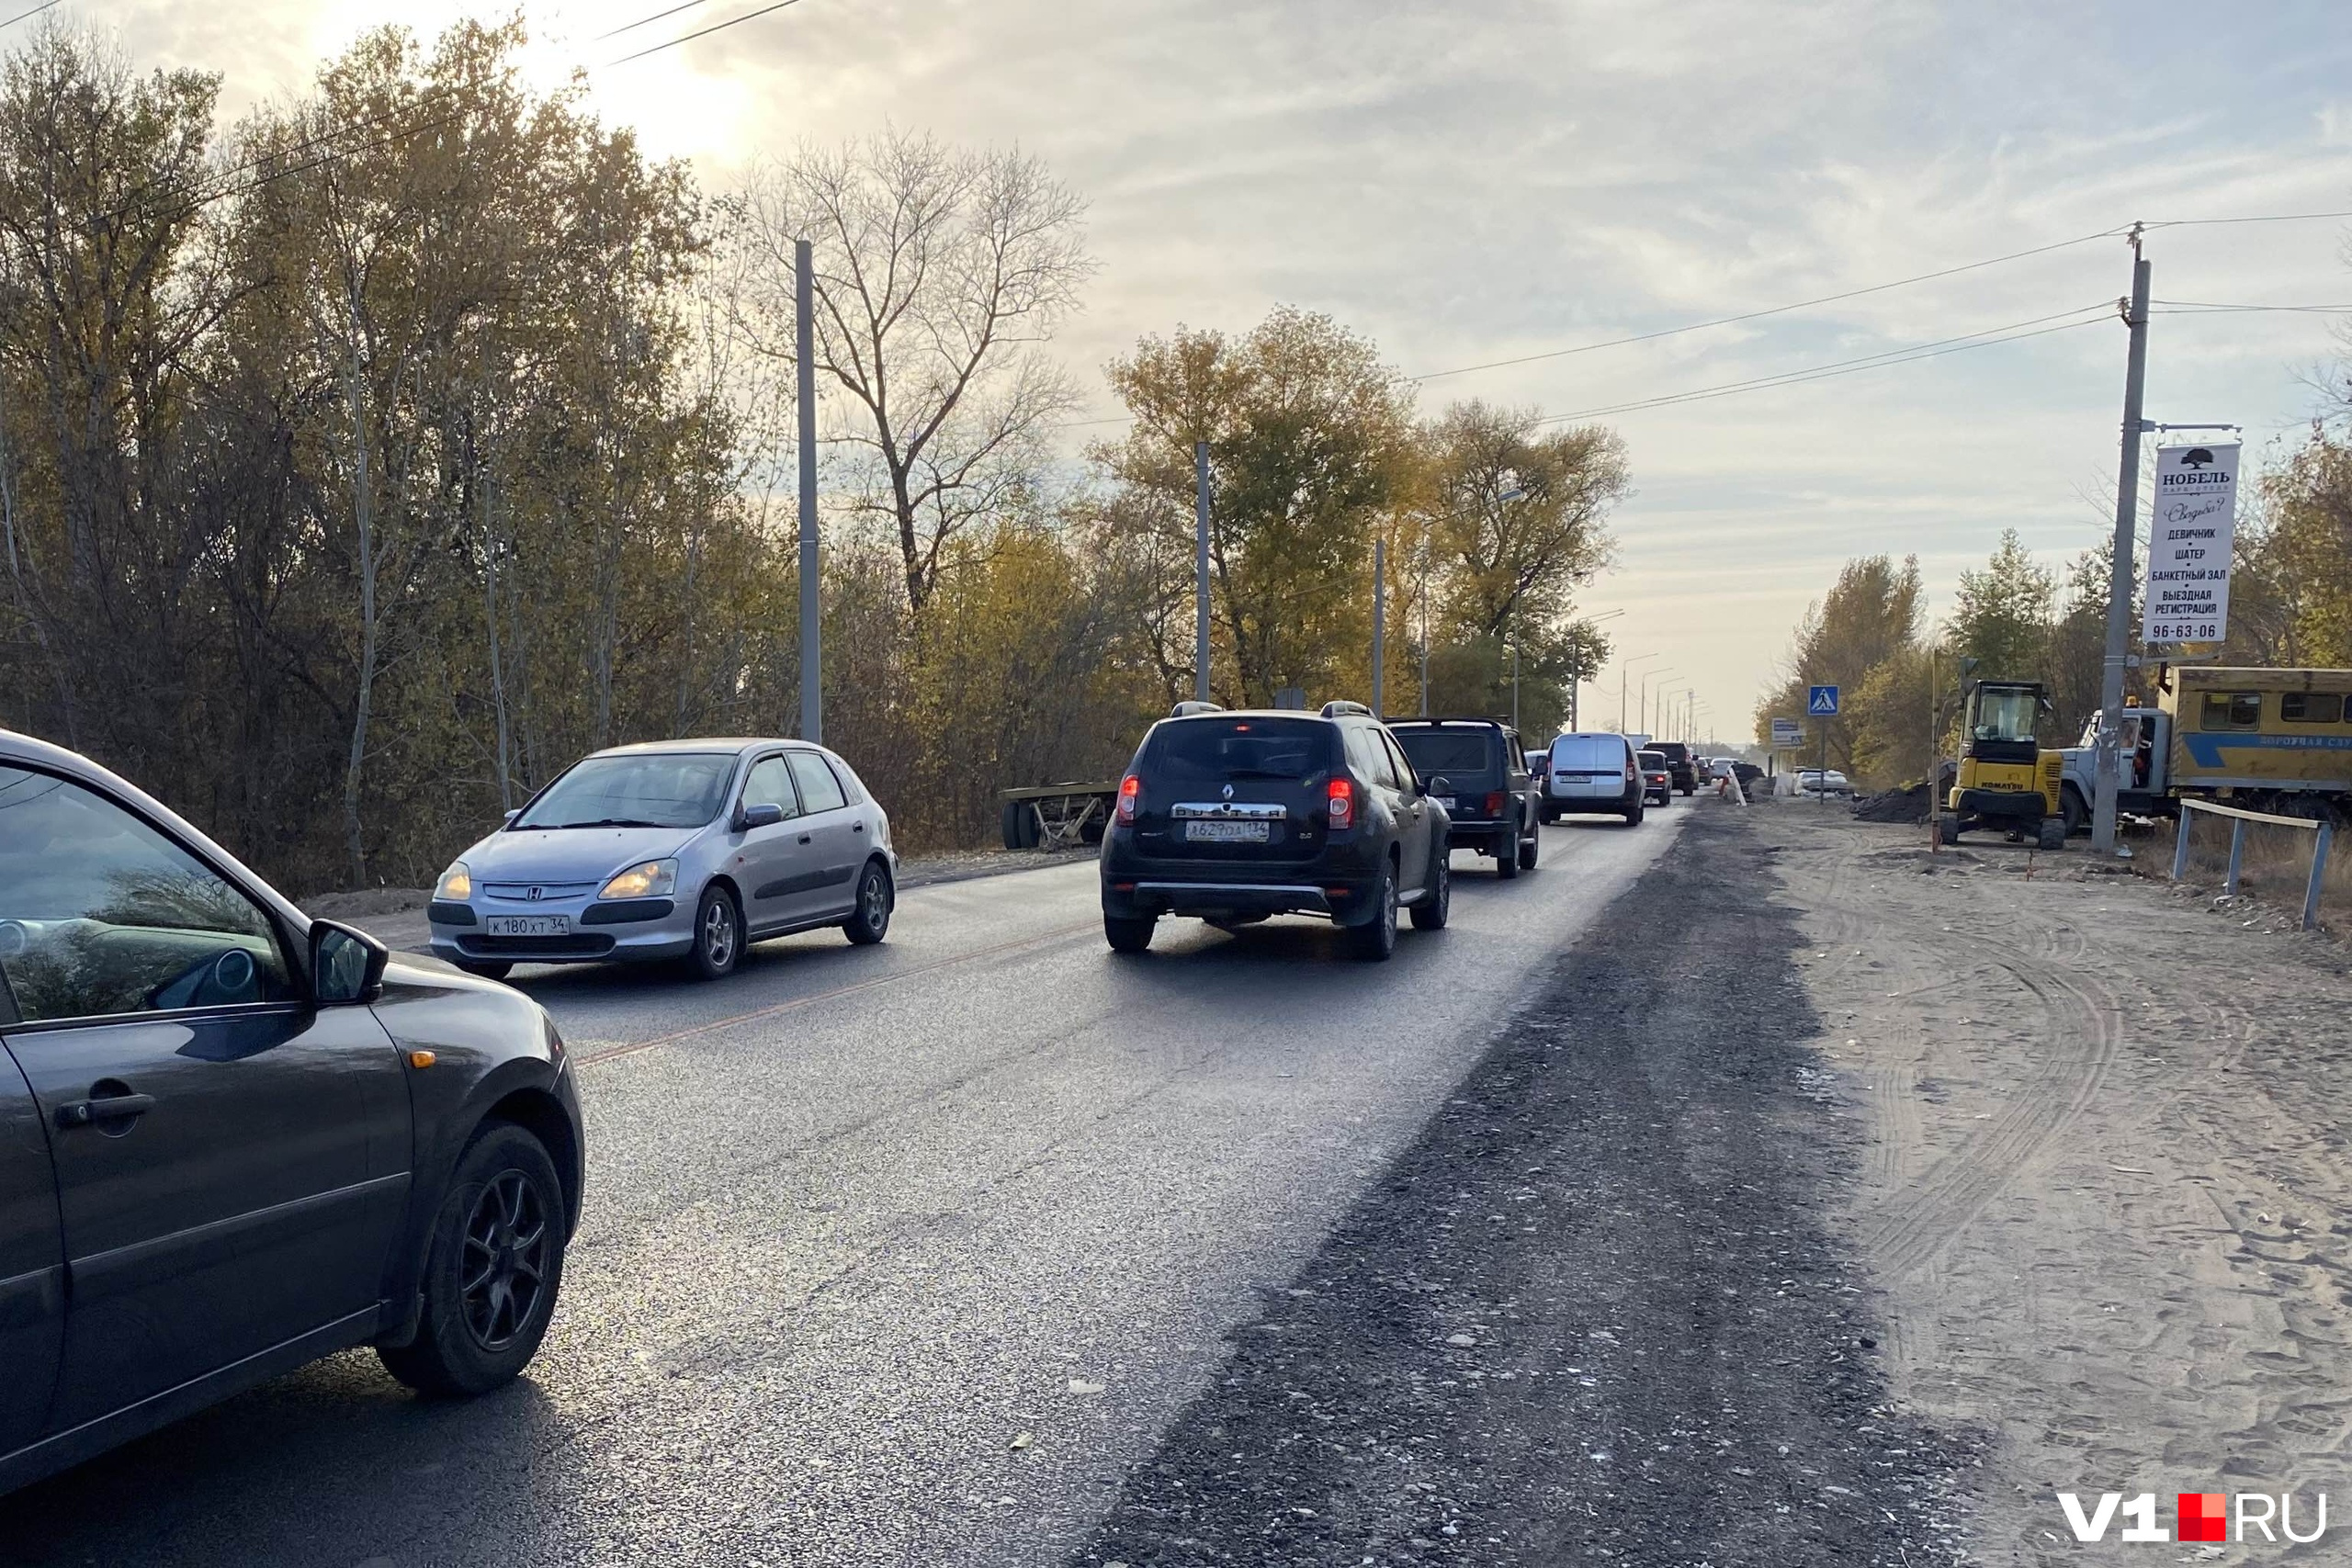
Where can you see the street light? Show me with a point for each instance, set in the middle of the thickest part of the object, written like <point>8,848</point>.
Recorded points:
<point>1576,677</point>
<point>1653,675</point>
<point>1622,666</point>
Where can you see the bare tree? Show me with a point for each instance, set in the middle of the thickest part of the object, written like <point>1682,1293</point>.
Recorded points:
<point>941,273</point>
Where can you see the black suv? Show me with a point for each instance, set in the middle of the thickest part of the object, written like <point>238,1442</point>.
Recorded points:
<point>1233,817</point>
<point>1493,802</point>
<point>1679,762</point>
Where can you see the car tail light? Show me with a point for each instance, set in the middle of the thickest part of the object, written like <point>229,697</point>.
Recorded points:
<point>1130,790</point>
<point>1495,802</point>
<point>1629,773</point>
<point>1340,801</point>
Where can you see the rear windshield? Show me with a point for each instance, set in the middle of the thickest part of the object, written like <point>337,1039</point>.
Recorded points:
<point>1653,760</point>
<point>1587,753</point>
<point>1211,750</point>
<point>1447,750</point>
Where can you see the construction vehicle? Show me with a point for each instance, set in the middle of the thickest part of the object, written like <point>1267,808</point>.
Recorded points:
<point>2269,739</point>
<point>2005,779</point>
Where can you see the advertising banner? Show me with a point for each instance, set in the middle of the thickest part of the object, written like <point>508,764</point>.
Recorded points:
<point>2189,533</point>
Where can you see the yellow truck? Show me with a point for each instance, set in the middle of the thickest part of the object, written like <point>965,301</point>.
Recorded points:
<point>2270,740</point>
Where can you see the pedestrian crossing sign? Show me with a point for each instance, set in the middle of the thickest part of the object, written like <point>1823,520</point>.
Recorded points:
<point>1821,701</point>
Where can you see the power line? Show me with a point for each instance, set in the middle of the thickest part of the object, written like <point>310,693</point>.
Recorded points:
<point>2205,308</point>
<point>2264,217</point>
<point>705,32</point>
<point>36,11</point>
<point>642,21</point>
<point>1774,311</point>
<point>1985,339</point>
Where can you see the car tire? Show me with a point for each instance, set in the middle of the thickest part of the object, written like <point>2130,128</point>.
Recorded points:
<point>485,971</point>
<point>869,922</point>
<point>1633,817</point>
<point>719,935</point>
<point>2076,815</point>
<point>1008,821</point>
<point>1946,828</point>
<point>1507,855</point>
<point>494,1265</point>
<point>1437,904</point>
<point>2051,835</point>
<point>1377,939</point>
<point>1528,849</point>
<point>1128,935</point>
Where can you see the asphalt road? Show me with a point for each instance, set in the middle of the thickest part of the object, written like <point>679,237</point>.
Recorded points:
<point>901,1254</point>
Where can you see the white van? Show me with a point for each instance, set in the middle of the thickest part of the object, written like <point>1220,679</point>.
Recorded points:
<point>1593,775</point>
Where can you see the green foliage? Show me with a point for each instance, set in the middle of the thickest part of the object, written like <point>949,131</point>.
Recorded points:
<point>2001,615</point>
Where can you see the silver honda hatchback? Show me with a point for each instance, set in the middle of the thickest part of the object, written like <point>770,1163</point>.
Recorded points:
<point>677,849</point>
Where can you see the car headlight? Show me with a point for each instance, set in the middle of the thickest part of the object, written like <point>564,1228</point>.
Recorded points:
<point>456,884</point>
<point>653,879</point>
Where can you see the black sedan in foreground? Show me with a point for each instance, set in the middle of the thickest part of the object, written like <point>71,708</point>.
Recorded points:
<point>233,1140</point>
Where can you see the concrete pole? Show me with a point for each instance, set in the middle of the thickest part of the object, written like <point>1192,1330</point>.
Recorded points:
<point>1379,620</point>
<point>812,684</point>
<point>2119,573</point>
<point>1200,570</point>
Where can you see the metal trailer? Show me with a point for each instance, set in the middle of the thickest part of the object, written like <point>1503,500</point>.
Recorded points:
<point>1057,815</point>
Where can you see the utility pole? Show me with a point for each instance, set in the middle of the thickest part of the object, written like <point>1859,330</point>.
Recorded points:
<point>2119,578</point>
<point>812,682</point>
<point>1200,570</point>
<point>1425,625</point>
<point>1379,620</point>
<point>1514,685</point>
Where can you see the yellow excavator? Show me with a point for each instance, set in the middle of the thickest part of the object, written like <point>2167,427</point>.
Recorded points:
<point>2006,780</point>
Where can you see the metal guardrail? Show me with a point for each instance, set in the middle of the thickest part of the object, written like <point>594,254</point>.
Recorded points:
<point>2239,817</point>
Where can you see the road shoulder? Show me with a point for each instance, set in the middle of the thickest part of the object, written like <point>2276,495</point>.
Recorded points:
<point>2106,1169</point>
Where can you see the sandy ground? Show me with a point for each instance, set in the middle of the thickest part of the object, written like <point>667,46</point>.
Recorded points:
<point>2105,1188</point>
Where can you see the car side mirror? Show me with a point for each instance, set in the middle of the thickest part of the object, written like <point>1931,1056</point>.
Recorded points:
<point>509,818</point>
<point>764,814</point>
<point>1438,785</point>
<point>347,964</point>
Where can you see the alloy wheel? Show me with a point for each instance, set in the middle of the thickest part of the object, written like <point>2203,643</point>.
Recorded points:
<point>718,934</point>
<point>502,1271</point>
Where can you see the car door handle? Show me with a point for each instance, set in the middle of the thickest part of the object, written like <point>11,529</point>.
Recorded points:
<point>857,827</point>
<point>115,1107</point>
<point>804,838</point>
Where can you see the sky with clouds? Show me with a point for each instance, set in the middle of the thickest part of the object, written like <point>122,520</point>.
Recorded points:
<point>1473,180</point>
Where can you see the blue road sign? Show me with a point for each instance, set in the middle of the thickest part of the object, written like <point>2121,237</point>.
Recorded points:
<point>1821,700</point>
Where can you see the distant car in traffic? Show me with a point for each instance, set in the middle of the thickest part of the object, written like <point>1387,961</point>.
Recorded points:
<point>1235,817</point>
<point>1657,777</point>
<point>1494,803</point>
<point>1593,774</point>
<point>1818,781</point>
<point>1679,764</point>
<point>234,1139</point>
<point>677,849</point>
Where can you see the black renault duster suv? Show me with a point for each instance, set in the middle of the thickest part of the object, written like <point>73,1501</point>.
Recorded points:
<point>1493,803</point>
<point>1232,817</point>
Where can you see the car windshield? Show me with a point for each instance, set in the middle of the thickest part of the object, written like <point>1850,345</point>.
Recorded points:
<point>647,789</point>
<point>1446,750</point>
<point>1654,761</point>
<point>1211,750</point>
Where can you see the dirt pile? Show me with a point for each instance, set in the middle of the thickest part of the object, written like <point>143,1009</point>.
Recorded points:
<point>1909,805</point>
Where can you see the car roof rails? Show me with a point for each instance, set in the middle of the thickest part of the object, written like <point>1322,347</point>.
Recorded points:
<point>1351,710</point>
<point>1186,710</point>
